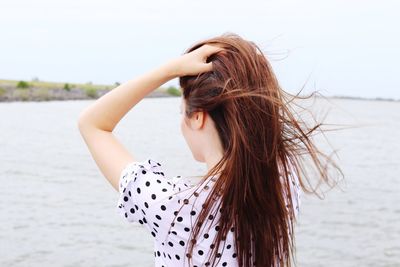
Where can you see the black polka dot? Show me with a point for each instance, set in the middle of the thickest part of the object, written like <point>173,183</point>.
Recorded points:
<point>201,252</point>
<point>158,217</point>
<point>193,213</point>
<point>143,171</point>
<point>186,201</point>
<point>181,243</point>
<point>217,228</point>
<point>228,246</point>
<point>138,190</point>
<point>126,198</point>
<point>177,257</point>
<point>147,183</point>
<point>153,196</point>
<point>210,217</point>
<point>163,207</point>
<point>170,244</point>
<point>146,205</point>
<point>186,229</point>
<point>153,234</point>
<point>179,219</point>
<point>224,264</point>
<point>234,255</point>
<point>206,235</point>
<point>132,210</point>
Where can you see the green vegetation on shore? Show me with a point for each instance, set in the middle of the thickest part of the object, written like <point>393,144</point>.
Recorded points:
<point>35,90</point>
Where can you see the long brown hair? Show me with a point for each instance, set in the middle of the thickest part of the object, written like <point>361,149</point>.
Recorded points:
<point>266,143</point>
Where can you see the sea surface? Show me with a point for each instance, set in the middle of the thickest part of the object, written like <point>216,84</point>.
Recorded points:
<point>58,210</point>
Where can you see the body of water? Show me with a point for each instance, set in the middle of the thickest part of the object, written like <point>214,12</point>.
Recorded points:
<point>58,210</point>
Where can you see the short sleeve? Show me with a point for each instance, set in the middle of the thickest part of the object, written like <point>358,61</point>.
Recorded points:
<point>138,188</point>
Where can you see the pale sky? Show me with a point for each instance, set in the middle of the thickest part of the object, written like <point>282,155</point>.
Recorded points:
<point>342,47</point>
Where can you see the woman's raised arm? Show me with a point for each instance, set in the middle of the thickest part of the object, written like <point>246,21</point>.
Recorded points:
<point>97,121</point>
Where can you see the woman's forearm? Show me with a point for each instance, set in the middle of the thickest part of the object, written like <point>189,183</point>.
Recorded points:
<point>109,109</point>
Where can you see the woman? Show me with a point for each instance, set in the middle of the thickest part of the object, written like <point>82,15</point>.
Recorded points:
<point>237,120</point>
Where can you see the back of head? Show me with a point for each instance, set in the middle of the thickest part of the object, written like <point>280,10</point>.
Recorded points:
<point>264,143</point>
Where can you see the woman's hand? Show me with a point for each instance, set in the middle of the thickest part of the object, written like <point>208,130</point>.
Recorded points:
<point>194,62</point>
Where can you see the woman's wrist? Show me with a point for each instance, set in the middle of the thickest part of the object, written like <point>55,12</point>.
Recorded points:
<point>170,69</point>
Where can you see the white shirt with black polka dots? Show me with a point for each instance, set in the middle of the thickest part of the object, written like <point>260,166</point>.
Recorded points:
<point>151,199</point>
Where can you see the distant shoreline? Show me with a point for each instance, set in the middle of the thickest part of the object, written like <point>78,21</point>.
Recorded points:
<point>365,98</point>
<point>26,91</point>
<point>35,90</point>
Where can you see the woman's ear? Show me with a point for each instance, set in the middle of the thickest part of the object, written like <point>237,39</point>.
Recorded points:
<point>198,120</point>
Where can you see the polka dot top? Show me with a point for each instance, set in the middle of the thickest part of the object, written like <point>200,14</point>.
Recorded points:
<point>153,200</point>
